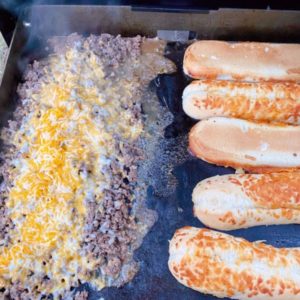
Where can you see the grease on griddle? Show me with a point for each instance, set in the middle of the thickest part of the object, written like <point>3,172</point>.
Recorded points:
<point>169,89</point>
<point>170,146</point>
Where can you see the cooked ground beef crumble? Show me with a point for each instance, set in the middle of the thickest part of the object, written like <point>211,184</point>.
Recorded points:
<point>115,227</point>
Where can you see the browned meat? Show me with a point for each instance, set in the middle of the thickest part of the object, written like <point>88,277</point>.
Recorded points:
<point>111,232</point>
<point>112,229</point>
<point>82,295</point>
<point>114,50</point>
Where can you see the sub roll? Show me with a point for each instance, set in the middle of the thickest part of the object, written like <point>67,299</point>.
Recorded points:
<point>256,147</point>
<point>244,61</point>
<point>265,101</point>
<point>225,266</point>
<point>237,201</point>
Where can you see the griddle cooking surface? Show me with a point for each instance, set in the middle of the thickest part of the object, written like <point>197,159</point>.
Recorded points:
<point>154,281</point>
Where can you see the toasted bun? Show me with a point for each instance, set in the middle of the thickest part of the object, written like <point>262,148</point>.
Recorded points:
<point>231,202</point>
<point>219,264</point>
<point>242,144</point>
<point>243,61</point>
<point>265,101</point>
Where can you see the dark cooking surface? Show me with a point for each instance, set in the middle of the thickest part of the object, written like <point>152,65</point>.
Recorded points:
<point>154,281</point>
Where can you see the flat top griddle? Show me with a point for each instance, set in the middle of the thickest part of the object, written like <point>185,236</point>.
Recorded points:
<point>154,281</point>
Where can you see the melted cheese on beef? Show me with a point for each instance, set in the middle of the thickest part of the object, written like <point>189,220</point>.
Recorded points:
<point>63,145</point>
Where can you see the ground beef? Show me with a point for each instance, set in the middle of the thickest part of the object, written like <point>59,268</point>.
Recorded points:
<point>82,295</point>
<point>31,84</point>
<point>111,231</point>
<point>16,292</point>
<point>114,50</point>
<point>111,228</point>
<point>32,76</point>
<point>5,223</point>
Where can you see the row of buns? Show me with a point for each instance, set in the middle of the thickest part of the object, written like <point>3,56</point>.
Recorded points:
<point>247,96</point>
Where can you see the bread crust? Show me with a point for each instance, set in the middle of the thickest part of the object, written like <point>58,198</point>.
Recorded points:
<point>237,201</point>
<point>264,101</point>
<point>255,147</point>
<point>225,266</point>
<point>243,61</point>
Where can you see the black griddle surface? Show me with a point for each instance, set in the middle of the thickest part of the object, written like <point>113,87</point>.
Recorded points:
<point>154,281</point>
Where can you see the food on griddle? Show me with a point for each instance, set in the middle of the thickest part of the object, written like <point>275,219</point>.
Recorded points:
<point>216,263</point>
<point>263,101</point>
<point>256,147</point>
<point>236,201</point>
<point>72,204</point>
<point>245,61</point>
<point>248,124</point>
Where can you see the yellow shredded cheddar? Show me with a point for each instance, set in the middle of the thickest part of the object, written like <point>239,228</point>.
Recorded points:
<point>47,200</point>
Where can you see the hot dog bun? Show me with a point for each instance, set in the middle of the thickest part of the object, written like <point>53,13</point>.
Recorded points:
<point>247,61</point>
<point>263,101</point>
<point>219,264</point>
<point>255,147</point>
<point>236,201</point>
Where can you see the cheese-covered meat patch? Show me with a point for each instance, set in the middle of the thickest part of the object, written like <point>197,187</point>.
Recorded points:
<point>70,170</point>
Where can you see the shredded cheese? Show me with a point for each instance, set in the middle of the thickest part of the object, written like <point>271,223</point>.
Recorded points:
<point>61,140</point>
